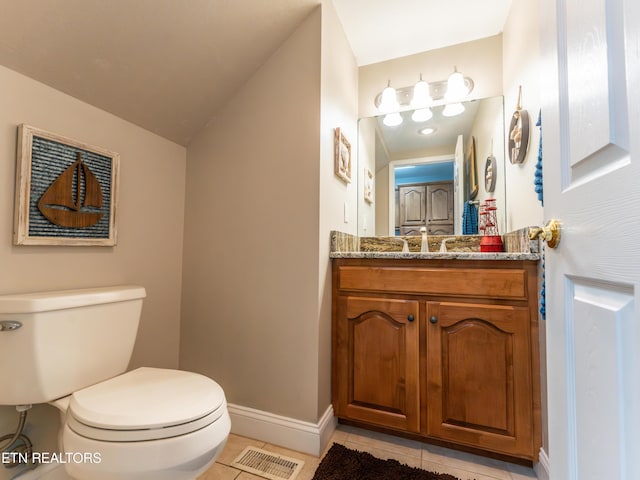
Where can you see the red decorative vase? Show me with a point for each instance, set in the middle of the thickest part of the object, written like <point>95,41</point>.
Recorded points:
<point>491,243</point>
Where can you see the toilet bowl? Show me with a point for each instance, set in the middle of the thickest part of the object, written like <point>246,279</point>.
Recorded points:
<point>148,423</point>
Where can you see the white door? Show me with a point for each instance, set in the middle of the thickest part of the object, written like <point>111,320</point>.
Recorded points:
<point>591,139</point>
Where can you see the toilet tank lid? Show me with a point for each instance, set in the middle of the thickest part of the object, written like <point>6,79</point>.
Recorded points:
<point>147,398</point>
<point>62,299</point>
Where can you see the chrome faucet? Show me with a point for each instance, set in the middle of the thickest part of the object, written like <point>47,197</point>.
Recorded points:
<point>405,245</point>
<point>424,246</point>
<point>443,245</point>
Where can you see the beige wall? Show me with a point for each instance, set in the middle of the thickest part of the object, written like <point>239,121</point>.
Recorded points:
<point>522,67</point>
<point>250,303</point>
<point>368,213</point>
<point>339,108</point>
<point>481,60</point>
<point>150,221</point>
<point>382,202</point>
<point>521,54</point>
<point>488,130</point>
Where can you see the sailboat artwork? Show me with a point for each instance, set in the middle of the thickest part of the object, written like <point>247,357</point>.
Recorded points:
<point>66,191</point>
<point>72,199</point>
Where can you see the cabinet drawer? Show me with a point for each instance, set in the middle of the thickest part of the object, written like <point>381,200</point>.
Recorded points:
<point>510,284</point>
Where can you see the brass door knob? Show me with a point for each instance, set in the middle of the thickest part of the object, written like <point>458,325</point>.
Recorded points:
<point>550,233</point>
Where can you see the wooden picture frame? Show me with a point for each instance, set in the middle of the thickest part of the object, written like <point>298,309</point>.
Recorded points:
<point>342,156</point>
<point>473,171</point>
<point>66,191</point>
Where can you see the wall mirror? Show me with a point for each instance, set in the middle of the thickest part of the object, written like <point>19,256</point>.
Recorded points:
<point>422,173</point>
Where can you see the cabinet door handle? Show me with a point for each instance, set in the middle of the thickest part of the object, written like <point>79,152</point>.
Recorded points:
<point>434,319</point>
<point>410,317</point>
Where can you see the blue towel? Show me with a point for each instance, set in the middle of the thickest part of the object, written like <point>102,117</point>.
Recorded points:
<point>543,301</point>
<point>537,178</point>
<point>470,219</point>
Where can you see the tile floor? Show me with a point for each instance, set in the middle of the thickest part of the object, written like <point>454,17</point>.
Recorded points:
<point>465,466</point>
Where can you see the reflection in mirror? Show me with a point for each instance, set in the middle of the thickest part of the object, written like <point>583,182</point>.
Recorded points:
<point>423,170</point>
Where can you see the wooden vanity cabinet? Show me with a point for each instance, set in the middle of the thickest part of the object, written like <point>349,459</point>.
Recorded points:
<point>478,376</point>
<point>444,350</point>
<point>378,345</point>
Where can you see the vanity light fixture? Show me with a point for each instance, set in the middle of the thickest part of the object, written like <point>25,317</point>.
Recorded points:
<point>456,87</point>
<point>422,96</point>
<point>421,100</point>
<point>389,100</point>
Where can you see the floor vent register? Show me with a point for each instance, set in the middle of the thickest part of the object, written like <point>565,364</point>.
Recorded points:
<point>268,464</point>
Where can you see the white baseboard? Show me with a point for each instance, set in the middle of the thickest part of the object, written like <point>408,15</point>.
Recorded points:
<point>542,467</point>
<point>286,432</point>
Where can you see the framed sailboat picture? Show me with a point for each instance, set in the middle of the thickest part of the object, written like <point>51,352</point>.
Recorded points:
<point>66,191</point>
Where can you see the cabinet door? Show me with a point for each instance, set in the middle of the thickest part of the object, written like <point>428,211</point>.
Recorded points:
<point>376,368</point>
<point>479,376</point>
<point>412,204</point>
<point>440,204</point>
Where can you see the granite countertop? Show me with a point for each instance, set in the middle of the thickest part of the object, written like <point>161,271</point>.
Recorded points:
<point>517,246</point>
<point>439,255</point>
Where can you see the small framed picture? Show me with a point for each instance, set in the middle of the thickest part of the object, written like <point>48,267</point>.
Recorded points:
<point>342,156</point>
<point>368,185</point>
<point>66,191</point>
<point>490,172</point>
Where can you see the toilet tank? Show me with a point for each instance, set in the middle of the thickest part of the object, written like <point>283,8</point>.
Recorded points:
<point>54,343</point>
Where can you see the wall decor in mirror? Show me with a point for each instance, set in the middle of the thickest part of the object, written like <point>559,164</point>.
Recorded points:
<point>341,156</point>
<point>425,171</point>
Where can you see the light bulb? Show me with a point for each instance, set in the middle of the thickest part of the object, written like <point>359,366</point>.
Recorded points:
<point>421,97</point>
<point>421,115</point>
<point>392,119</point>
<point>452,109</point>
<point>456,88</point>
<point>389,100</point>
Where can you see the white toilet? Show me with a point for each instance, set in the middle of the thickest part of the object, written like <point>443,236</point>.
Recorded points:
<point>70,349</point>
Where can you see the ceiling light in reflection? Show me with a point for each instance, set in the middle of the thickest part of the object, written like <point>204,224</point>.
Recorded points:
<point>452,109</point>
<point>427,131</point>
<point>392,119</point>
<point>421,115</point>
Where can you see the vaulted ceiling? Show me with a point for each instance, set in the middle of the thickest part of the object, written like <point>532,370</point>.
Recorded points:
<point>167,65</point>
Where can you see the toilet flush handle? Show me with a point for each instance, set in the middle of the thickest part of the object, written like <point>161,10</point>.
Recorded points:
<point>8,325</point>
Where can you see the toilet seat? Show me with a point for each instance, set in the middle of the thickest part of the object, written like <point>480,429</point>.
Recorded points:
<point>146,404</point>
